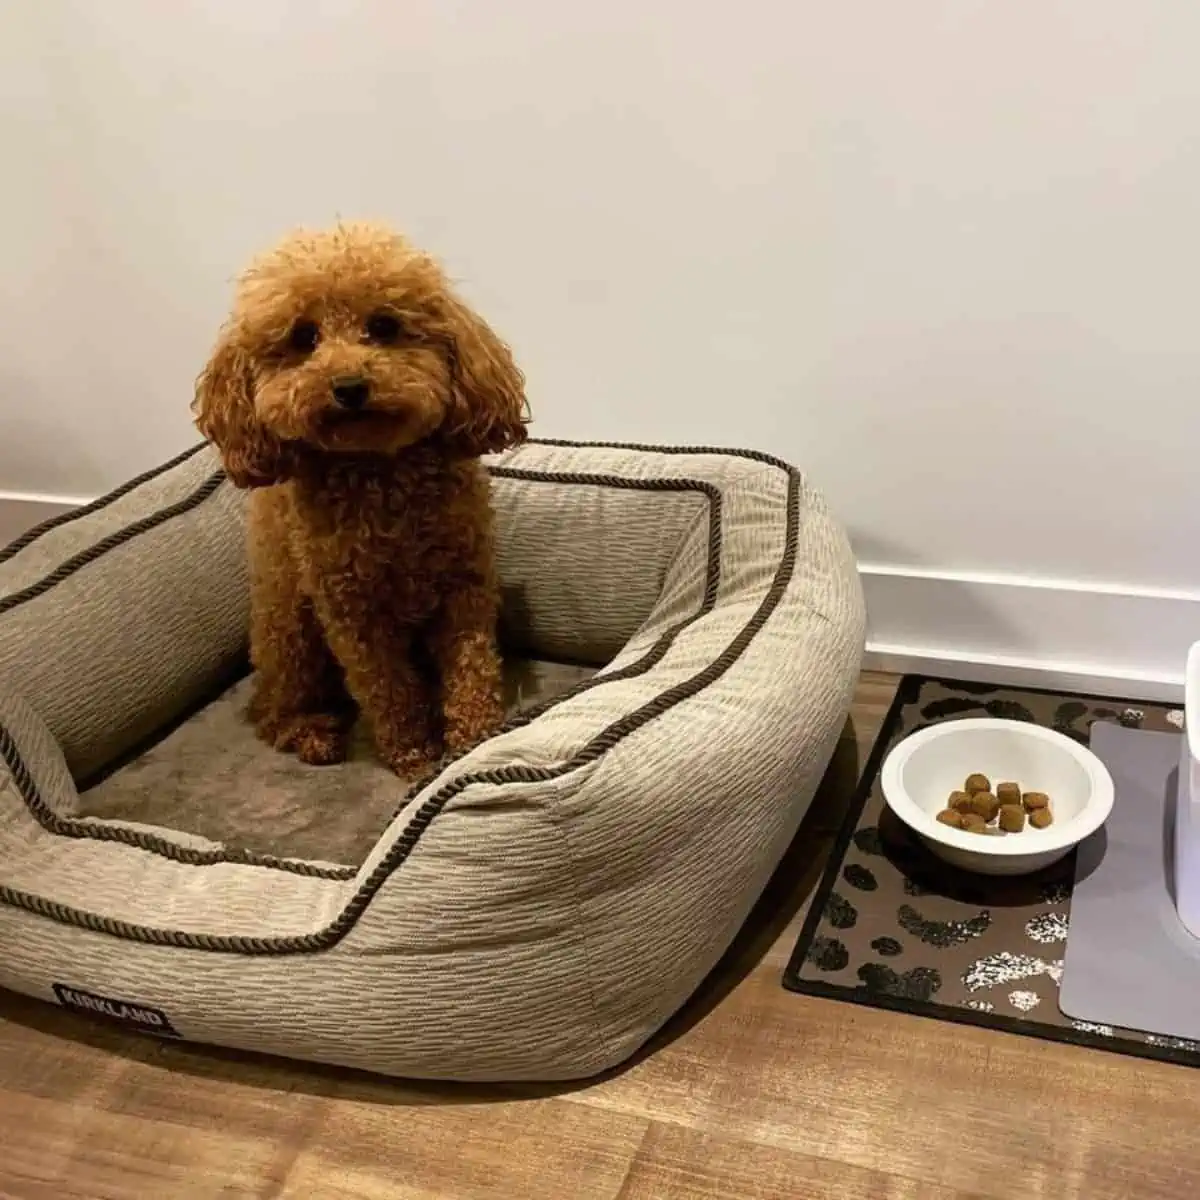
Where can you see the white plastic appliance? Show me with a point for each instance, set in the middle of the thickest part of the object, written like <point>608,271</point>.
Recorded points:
<point>1187,813</point>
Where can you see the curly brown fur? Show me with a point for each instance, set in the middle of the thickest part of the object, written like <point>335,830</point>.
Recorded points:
<point>355,393</point>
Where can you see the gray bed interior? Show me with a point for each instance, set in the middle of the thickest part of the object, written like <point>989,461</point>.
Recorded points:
<point>211,776</point>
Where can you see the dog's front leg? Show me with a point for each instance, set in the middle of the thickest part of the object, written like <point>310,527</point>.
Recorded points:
<point>376,658</point>
<point>468,665</point>
<point>299,703</point>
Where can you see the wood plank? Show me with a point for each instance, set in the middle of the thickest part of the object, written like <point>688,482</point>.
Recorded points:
<point>535,1150</point>
<point>61,1150</point>
<point>685,1165</point>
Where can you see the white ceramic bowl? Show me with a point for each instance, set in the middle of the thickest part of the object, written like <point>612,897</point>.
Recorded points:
<point>920,773</point>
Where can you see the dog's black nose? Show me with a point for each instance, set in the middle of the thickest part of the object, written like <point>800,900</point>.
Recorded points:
<point>351,392</point>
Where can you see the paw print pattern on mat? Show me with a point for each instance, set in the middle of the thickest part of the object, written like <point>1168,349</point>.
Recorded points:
<point>840,913</point>
<point>942,934</point>
<point>859,877</point>
<point>921,983</point>
<point>829,954</point>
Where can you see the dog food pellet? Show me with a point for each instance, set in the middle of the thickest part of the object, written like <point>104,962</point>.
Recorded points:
<point>1041,818</point>
<point>986,805</point>
<point>977,783</point>
<point>949,817</point>
<point>1035,800</point>
<point>973,823</point>
<point>1009,793</point>
<point>1012,818</point>
<point>959,801</point>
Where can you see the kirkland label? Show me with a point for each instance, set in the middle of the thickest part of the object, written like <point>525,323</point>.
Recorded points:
<point>123,1012</point>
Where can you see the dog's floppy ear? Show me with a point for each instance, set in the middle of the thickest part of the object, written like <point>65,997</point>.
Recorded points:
<point>488,411</point>
<point>224,411</point>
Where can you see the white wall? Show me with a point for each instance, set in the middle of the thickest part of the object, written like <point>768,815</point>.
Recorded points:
<point>942,253</point>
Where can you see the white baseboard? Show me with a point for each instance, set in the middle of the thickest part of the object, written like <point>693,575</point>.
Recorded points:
<point>1096,638</point>
<point>20,511</point>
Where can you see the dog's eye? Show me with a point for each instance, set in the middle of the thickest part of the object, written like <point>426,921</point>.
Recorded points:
<point>384,328</point>
<point>304,337</point>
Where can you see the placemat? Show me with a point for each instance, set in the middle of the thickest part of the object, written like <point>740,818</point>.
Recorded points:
<point>894,927</point>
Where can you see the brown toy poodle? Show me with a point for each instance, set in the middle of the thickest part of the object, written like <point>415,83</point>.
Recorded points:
<point>355,393</point>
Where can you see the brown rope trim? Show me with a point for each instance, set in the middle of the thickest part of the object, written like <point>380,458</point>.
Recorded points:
<point>758,456</point>
<point>76,827</point>
<point>77,562</point>
<point>64,914</point>
<point>404,845</point>
<point>85,510</point>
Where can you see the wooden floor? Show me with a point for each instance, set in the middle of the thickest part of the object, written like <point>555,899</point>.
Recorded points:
<point>752,1092</point>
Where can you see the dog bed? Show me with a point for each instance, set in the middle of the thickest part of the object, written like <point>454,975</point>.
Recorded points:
<point>683,630</point>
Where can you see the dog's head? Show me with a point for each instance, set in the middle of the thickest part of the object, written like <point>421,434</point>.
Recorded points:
<point>351,341</point>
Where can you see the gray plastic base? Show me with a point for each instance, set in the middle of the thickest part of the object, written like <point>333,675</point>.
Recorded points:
<point>1130,963</point>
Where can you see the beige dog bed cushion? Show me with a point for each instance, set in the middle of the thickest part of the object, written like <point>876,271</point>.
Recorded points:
<point>683,629</point>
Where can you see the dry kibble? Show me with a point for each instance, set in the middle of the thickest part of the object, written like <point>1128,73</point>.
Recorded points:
<point>986,805</point>
<point>1012,818</point>
<point>959,801</point>
<point>1009,793</point>
<point>977,809</point>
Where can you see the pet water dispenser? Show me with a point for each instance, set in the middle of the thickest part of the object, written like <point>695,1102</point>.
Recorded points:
<point>1187,811</point>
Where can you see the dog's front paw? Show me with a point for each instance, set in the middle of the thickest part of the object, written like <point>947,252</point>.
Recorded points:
<point>321,747</point>
<point>411,762</point>
<point>468,725</point>
<point>320,741</point>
